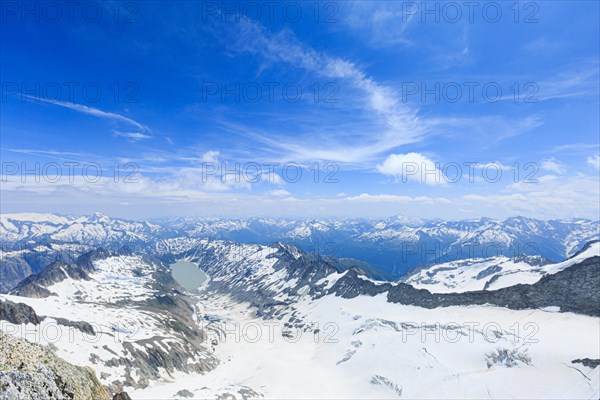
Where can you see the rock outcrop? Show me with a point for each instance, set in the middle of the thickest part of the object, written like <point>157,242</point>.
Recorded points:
<point>35,285</point>
<point>18,313</point>
<point>575,289</point>
<point>30,371</point>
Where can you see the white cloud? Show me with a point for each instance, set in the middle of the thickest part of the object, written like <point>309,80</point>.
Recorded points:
<point>394,198</point>
<point>93,111</point>
<point>551,197</point>
<point>397,123</point>
<point>133,136</point>
<point>412,167</point>
<point>553,165</point>
<point>380,24</point>
<point>272,177</point>
<point>210,156</point>
<point>594,161</point>
<point>184,193</point>
<point>279,193</point>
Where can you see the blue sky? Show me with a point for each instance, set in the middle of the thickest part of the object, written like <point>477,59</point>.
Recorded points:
<point>499,103</point>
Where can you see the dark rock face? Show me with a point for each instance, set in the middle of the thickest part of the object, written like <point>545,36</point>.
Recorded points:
<point>488,271</point>
<point>35,285</point>
<point>305,269</point>
<point>18,313</point>
<point>83,326</point>
<point>507,358</point>
<point>185,393</point>
<point>160,354</point>
<point>121,396</point>
<point>351,285</point>
<point>575,289</point>
<point>587,362</point>
<point>23,259</point>
<point>13,270</point>
<point>32,290</point>
<point>584,248</point>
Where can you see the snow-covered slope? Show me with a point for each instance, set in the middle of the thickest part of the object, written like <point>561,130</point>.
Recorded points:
<point>119,314</point>
<point>276,322</point>
<point>491,273</point>
<point>368,348</point>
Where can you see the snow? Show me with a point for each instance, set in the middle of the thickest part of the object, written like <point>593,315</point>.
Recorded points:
<point>470,275</point>
<point>593,250</point>
<point>109,302</point>
<point>35,217</point>
<point>363,347</point>
<point>363,338</point>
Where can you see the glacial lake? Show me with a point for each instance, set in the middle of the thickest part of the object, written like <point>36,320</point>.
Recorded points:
<point>188,274</point>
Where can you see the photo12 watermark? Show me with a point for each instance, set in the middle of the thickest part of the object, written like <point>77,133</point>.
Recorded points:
<point>70,12</point>
<point>270,92</point>
<point>270,12</point>
<point>68,172</point>
<point>70,92</point>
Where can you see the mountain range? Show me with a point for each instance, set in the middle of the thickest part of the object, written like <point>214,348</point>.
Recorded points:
<point>388,247</point>
<point>93,305</point>
<point>275,318</point>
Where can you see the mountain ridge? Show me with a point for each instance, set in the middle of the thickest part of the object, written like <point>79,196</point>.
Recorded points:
<point>391,246</point>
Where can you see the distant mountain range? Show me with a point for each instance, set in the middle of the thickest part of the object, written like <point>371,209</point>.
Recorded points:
<point>389,248</point>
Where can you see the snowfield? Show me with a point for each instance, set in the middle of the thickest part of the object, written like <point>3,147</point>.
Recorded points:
<point>368,348</point>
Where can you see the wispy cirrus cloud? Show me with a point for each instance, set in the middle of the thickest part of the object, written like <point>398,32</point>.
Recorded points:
<point>133,136</point>
<point>397,123</point>
<point>581,81</point>
<point>574,148</point>
<point>52,154</point>
<point>96,112</point>
<point>380,24</point>
<point>373,120</point>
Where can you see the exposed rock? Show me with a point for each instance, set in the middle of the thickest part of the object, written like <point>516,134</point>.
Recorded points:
<point>184,393</point>
<point>587,362</point>
<point>351,285</point>
<point>13,270</point>
<point>18,313</point>
<point>507,358</point>
<point>575,289</point>
<point>584,248</point>
<point>83,326</point>
<point>382,380</point>
<point>31,289</point>
<point>35,285</point>
<point>32,371</point>
<point>492,269</point>
<point>149,358</point>
<point>121,396</point>
<point>237,279</point>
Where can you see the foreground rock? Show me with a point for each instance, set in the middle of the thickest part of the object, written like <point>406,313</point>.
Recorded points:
<point>31,371</point>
